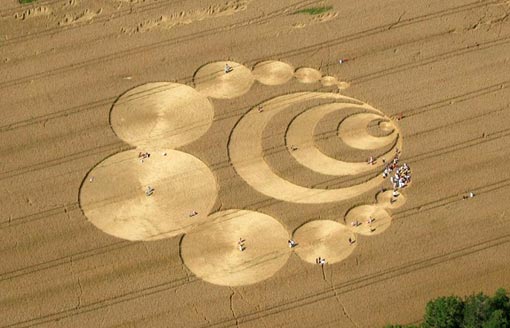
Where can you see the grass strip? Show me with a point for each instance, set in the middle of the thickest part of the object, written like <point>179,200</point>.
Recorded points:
<point>314,10</point>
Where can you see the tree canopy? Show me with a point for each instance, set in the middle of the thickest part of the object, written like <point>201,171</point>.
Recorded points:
<point>474,311</point>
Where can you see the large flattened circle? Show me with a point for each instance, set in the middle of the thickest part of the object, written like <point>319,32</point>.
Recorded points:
<point>273,72</point>
<point>161,114</point>
<point>211,251</point>
<point>113,194</point>
<point>326,239</point>
<point>212,80</point>
<point>361,215</point>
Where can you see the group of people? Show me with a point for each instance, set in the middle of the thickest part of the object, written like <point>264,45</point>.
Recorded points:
<point>470,195</point>
<point>402,176</point>
<point>143,156</point>
<point>149,191</point>
<point>240,244</point>
<point>241,241</point>
<point>392,165</point>
<point>356,223</point>
<point>320,260</point>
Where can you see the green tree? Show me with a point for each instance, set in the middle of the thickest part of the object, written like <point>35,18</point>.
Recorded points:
<point>498,319</point>
<point>444,312</point>
<point>501,301</point>
<point>477,310</point>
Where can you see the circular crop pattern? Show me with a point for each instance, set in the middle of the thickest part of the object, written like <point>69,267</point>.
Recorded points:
<point>116,200</point>
<point>353,131</point>
<point>154,191</point>
<point>163,114</point>
<point>325,239</point>
<point>273,72</point>
<point>236,247</point>
<point>368,219</point>
<point>386,199</point>
<point>223,80</point>
<point>246,153</point>
<point>329,81</point>
<point>300,134</point>
<point>308,75</point>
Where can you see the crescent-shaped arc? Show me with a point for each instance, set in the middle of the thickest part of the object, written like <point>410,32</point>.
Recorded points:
<point>300,134</point>
<point>246,155</point>
<point>354,133</point>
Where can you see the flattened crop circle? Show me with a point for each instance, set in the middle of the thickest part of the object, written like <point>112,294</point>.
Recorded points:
<point>113,194</point>
<point>162,114</point>
<point>212,251</point>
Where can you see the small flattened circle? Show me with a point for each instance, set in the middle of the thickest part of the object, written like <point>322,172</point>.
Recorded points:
<point>273,72</point>
<point>162,114</point>
<point>329,240</point>
<point>354,132</point>
<point>328,81</point>
<point>307,75</point>
<point>223,79</point>
<point>212,251</point>
<point>115,198</point>
<point>386,126</point>
<point>343,85</point>
<point>385,199</point>
<point>368,219</point>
